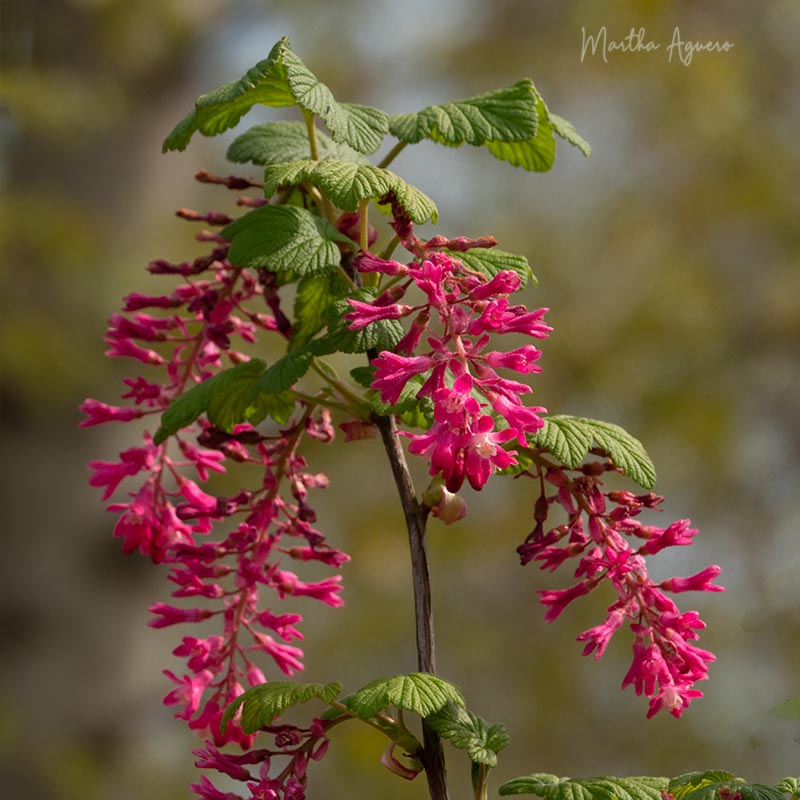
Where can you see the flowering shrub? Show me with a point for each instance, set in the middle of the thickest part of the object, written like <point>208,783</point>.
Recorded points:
<point>432,367</point>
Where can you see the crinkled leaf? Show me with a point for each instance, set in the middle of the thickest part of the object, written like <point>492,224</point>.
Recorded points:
<point>315,295</point>
<point>282,79</point>
<point>383,334</point>
<point>224,397</point>
<point>286,371</point>
<point>715,784</point>
<point>284,238</point>
<point>262,704</point>
<point>420,692</point>
<point>275,142</point>
<point>566,130</point>
<point>537,154</point>
<point>469,732</point>
<point>789,786</point>
<point>346,183</point>
<point>551,787</point>
<point>504,115</point>
<point>569,439</point>
<point>490,261</point>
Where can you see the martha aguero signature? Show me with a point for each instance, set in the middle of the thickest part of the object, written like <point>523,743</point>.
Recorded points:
<point>636,41</point>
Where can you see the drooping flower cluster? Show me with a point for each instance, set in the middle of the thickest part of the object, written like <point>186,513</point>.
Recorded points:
<point>226,550</point>
<point>597,532</point>
<point>475,410</point>
<point>298,745</point>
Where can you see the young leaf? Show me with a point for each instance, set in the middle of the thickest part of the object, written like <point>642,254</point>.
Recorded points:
<point>281,79</point>
<point>569,439</point>
<point>264,703</point>
<point>315,294</point>
<point>489,261</point>
<point>551,787</point>
<point>283,239</point>
<point>275,142</point>
<point>504,115</point>
<point>383,334</point>
<point>715,784</point>
<point>789,786</point>
<point>566,130</point>
<point>347,183</point>
<point>537,154</point>
<point>469,732</point>
<point>420,692</point>
<point>224,397</point>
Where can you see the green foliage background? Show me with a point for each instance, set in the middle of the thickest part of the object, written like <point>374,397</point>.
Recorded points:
<point>670,260</point>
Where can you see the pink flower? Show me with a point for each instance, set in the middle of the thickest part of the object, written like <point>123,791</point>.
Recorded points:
<point>392,372</point>
<point>170,615</point>
<point>97,413</point>
<point>700,582</point>
<point>188,692</point>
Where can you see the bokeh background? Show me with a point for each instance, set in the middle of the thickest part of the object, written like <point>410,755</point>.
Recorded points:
<point>670,262</point>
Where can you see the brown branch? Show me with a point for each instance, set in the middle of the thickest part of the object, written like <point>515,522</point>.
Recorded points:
<point>416,517</point>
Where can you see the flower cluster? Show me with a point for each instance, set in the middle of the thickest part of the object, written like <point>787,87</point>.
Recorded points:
<point>224,551</point>
<point>475,410</point>
<point>666,664</point>
<point>298,745</point>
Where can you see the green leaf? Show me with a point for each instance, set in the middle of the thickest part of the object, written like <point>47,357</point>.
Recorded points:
<point>286,371</point>
<point>504,115</point>
<point>569,439</point>
<point>262,704</point>
<point>346,183</point>
<point>282,79</point>
<point>552,787</point>
<point>789,786</point>
<point>383,334</point>
<point>537,154</point>
<point>469,732</point>
<point>282,239</point>
<point>715,784</point>
<point>566,130</point>
<point>224,397</point>
<point>420,692</point>
<point>275,142</point>
<point>490,261</point>
<point>314,297</point>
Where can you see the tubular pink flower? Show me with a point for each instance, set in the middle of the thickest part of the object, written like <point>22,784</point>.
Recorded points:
<point>97,413</point>
<point>364,314</point>
<point>392,372</point>
<point>699,582</point>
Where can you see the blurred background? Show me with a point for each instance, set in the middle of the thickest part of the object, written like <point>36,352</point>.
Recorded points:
<point>670,263</point>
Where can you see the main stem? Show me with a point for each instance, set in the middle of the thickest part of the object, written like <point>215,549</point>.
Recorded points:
<point>416,517</point>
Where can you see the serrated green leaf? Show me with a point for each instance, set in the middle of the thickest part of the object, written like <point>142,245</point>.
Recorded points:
<point>264,703</point>
<point>569,439</point>
<point>383,334</point>
<point>551,787</point>
<point>284,238</point>
<point>490,261</point>
<point>282,79</point>
<point>566,130</point>
<point>537,154</point>
<point>275,142</point>
<point>685,785</point>
<point>314,296</point>
<point>503,115</point>
<point>420,692</point>
<point>363,376</point>
<point>789,786</point>
<point>469,732</point>
<point>224,397</point>
<point>714,784</point>
<point>285,372</point>
<point>347,183</point>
